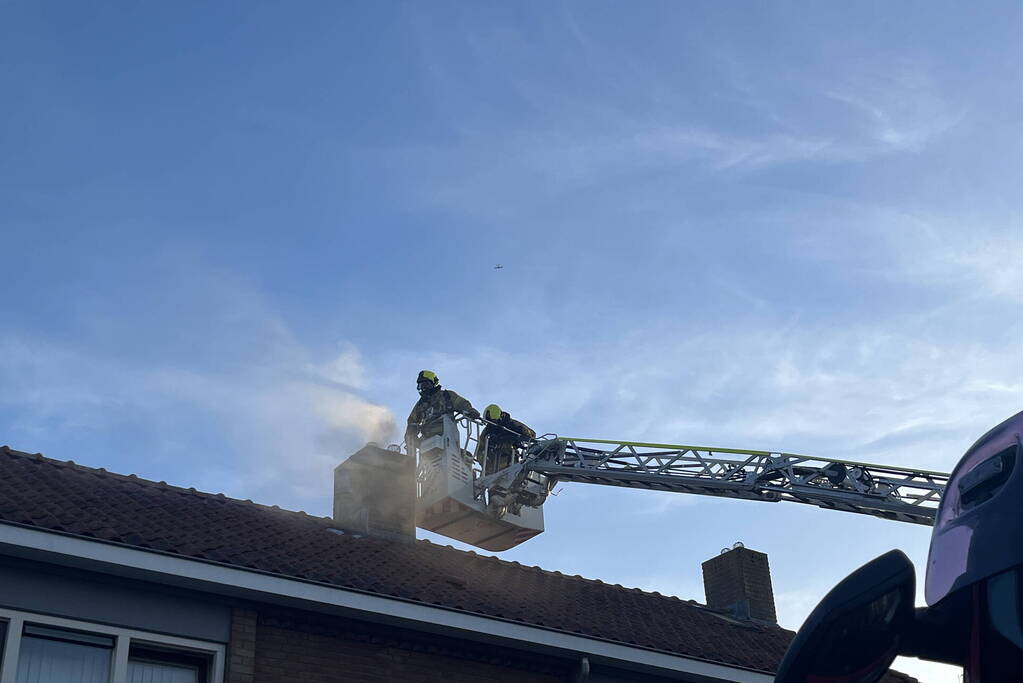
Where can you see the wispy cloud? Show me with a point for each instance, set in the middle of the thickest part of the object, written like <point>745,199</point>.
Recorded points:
<point>977,255</point>
<point>647,123</point>
<point>470,174</point>
<point>270,424</point>
<point>901,109</point>
<point>863,391</point>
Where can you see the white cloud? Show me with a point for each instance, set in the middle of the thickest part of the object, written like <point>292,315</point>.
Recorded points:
<point>285,427</point>
<point>570,142</point>
<point>267,418</point>
<point>477,173</point>
<point>975,255</point>
<point>901,110</point>
<point>863,391</point>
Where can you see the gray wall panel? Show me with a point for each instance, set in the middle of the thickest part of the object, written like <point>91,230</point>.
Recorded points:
<point>604,674</point>
<point>93,597</point>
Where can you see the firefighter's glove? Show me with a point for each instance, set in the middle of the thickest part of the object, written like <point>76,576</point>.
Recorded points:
<point>473,413</point>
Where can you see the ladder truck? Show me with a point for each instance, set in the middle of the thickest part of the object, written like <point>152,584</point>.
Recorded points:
<point>500,510</point>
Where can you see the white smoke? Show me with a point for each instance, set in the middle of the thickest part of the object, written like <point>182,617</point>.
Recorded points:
<point>272,432</point>
<point>290,424</point>
<point>236,403</point>
<point>343,414</point>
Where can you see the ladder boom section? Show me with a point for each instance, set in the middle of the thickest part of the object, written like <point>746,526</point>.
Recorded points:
<point>897,493</point>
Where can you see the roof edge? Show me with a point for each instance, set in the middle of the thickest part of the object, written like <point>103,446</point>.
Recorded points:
<point>86,553</point>
<point>148,483</point>
<point>328,521</point>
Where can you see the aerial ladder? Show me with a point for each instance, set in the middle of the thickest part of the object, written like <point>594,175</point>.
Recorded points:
<point>500,510</point>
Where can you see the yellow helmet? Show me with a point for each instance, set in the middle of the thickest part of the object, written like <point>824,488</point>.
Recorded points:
<point>492,412</point>
<point>428,376</point>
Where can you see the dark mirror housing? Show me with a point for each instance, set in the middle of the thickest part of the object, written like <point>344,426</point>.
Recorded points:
<point>854,633</point>
<point>941,633</point>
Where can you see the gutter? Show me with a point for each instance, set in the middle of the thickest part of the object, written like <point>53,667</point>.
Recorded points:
<point>107,557</point>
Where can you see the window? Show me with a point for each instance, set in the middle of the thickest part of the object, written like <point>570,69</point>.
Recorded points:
<point>150,664</point>
<point>49,654</point>
<point>36,648</point>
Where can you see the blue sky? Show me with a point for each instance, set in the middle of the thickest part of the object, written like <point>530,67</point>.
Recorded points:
<point>233,234</point>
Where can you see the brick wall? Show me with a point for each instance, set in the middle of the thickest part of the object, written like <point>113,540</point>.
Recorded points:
<point>241,653</point>
<point>291,647</point>
<point>740,576</point>
<point>375,493</point>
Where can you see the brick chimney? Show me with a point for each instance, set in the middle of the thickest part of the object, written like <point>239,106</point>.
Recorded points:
<point>375,493</point>
<point>739,581</point>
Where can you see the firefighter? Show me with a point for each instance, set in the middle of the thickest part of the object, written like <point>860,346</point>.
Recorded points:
<point>502,436</point>
<point>425,419</point>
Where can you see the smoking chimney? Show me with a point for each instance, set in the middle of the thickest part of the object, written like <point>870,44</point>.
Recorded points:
<point>375,493</point>
<point>739,581</point>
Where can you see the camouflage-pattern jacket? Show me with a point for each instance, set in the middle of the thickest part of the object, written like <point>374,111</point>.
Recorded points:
<point>430,407</point>
<point>502,438</point>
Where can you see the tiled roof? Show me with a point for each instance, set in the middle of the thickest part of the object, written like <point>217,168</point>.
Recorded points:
<point>83,501</point>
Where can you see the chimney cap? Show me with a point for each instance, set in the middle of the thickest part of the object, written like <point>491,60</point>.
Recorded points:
<point>735,546</point>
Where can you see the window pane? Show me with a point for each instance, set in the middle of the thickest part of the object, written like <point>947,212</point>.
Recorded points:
<point>69,636</point>
<point>159,672</point>
<point>44,660</point>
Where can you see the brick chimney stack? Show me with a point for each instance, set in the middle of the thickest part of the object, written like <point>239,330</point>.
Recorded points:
<point>375,493</point>
<point>739,581</point>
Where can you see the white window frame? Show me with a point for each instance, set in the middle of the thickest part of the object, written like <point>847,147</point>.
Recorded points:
<point>123,639</point>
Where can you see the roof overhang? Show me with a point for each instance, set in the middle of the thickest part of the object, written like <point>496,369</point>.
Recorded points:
<point>248,584</point>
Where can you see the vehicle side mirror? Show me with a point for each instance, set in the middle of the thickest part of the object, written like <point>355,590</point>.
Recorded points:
<point>853,634</point>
